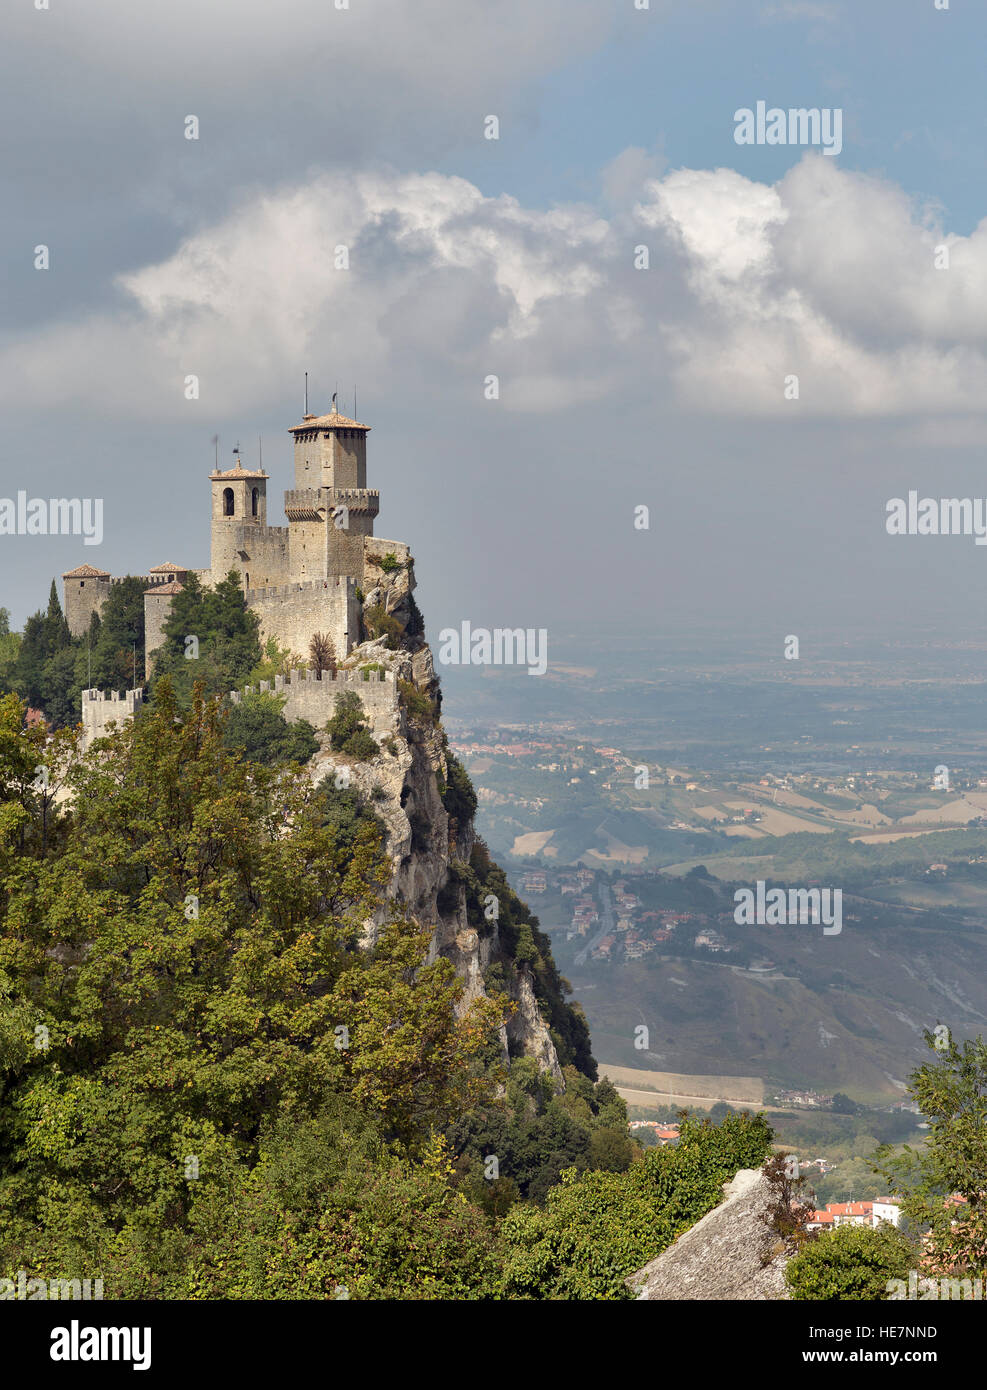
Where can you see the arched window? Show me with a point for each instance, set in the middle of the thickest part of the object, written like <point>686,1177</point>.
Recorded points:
<point>254,495</point>
<point>227,501</point>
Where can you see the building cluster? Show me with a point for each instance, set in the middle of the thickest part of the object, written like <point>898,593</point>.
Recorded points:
<point>856,1214</point>
<point>813,1100</point>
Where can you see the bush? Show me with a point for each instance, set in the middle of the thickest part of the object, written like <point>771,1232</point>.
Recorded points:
<point>379,623</point>
<point>458,797</point>
<point>850,1263</point>
<point>257,728</point>
<point>598,1228</point>
<point>348,731</point>
<point>418,705</point>
<point>389,562</point>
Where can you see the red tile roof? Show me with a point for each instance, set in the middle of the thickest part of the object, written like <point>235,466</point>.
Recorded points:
<point>86,572</point>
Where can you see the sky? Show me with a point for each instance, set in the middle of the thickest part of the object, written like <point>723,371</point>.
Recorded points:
<point>620,387</point>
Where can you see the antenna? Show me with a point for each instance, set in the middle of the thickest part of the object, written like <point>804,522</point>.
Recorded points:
<point>355,416</point>
<point>260,454</point>
<point>306,393</point>
<point>215,443</point>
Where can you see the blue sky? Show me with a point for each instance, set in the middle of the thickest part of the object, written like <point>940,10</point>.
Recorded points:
<point>908,77</point>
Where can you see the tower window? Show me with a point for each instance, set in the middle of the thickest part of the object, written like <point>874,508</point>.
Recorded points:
<point>255,493</point>
<point>227,501</point>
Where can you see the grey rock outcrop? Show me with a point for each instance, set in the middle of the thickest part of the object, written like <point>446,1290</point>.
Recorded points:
<point>731,1254</point>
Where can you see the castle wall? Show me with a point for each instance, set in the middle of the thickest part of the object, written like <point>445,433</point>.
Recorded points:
<point>307,550</point>
<point>315,700</point>
<point>100,710</point>
<point>266,563</point>
<point>293,613</point>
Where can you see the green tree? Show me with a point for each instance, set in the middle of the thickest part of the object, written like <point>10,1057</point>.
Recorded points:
<point>188,941</point>
<point>943,1185</point>
<point>226,645</point>
<point>849,1264</point>
<point>348,729</point>
<point>256,727</point>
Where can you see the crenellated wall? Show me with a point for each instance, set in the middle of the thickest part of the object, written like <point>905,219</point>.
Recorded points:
<point>307,697</point>
<point>100,709</point>
<point>294,613</point>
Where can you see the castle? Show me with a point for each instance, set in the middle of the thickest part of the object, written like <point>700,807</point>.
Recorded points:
<point>307,577</point>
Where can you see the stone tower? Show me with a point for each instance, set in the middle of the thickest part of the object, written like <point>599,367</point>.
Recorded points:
<point>239,518</point>
<point>86,590</point>
<point>330,509</point>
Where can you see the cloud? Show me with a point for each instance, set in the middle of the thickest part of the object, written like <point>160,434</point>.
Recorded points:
<point>828,275</point>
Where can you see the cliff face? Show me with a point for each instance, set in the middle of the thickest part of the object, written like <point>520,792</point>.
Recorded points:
<point>441,873</point>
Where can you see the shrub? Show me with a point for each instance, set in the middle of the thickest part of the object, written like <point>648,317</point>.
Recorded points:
<point>389,562</point>
<point>379,623</point>
<point>322,652</point>
<point>418,705</point>
<point>850,1263</point>
<point>458,796</point>
<point>257,728</point>
<point>347,729</point>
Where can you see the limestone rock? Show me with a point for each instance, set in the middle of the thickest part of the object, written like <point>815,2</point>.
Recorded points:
<point>730,1254</point>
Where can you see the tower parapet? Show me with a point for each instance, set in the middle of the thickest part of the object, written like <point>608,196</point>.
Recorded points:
<point>101,709</point>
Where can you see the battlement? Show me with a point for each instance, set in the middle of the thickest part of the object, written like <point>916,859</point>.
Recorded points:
<point>358,499</point>
<point>308,697</point>
<point>304,504</point>
<point>101,709</point>
<point>129,699</point>
<point>300,586</point>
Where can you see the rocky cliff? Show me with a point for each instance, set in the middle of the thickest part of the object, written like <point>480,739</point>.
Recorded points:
<point>441,873</point>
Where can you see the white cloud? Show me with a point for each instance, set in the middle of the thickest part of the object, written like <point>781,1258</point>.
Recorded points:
<point>828,275</point>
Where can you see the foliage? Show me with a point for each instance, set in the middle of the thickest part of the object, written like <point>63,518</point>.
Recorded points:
<point>789,1210</point>
<point>379,623</point>
<point>458,797</point>
<point>522,943</point>
<point>850,1263</point>
<point>256,727</point>
<point>598,1228</point>
<point>185,943</point>
<point>275,661</point>
<point>952,1095</point>
<point>416,702</point>
<point>389,562</point>
<point>227,646</point>
<point>348,729</point>
<point>537,1134</point>
<point>9,644</point>
<point>322,652</point>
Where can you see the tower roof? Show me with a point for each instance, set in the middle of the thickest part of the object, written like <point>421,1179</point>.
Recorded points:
<point>168,568</point>
<point>172,587</point>
<point>238,472</point>
<point>327,422</point>
<point>86,572</point>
